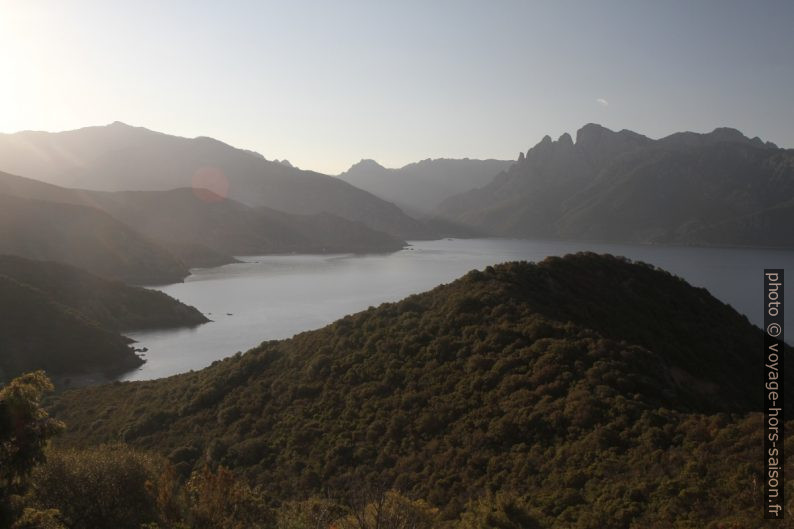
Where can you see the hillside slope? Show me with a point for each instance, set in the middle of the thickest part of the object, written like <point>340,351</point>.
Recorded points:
<point>111,304</point>
<point>595,388</point>
<point>66,321</point>
<point>37,332</point>
<point>84,237</point>
<point>119,157</point>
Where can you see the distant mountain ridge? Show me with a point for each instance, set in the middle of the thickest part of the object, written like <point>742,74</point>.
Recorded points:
<point>119,157</point>
<point>236,229</point>
<point>623,186</point>
<point>421,186</point>
<point>206,231</point>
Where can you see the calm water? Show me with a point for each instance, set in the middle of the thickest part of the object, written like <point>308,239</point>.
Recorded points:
<point>275,297</point>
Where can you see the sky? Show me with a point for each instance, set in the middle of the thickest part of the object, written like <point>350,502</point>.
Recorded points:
<point>327,83</point>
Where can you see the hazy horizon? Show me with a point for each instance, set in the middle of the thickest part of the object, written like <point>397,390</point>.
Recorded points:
<point>325,85</point>
<point>379,162</point>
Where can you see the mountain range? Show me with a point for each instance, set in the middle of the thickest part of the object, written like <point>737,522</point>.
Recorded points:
<point>119,157</point>
<point>718,188</point>
<point>188,215</point>
<point>156,236</point>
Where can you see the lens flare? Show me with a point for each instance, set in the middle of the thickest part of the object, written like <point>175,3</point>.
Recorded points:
<point>210,184</point>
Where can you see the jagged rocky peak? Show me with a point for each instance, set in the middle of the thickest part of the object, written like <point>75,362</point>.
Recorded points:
<point>544,145</point>
<point>593,135</point>
<point>548,146</point>
<point>550,160</point>
<point>600,144</point>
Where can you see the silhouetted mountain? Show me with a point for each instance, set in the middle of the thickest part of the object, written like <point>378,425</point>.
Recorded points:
<point>585,385</point>
<point>204,230</point>
<point>622,186</point>
<point>421,186</point>
<point>119,157</point>
<point>236,229</point>
<point>84,237</point>
<point>67,321</point>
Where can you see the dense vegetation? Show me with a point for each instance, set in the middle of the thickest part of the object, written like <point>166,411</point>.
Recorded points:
<point>39,333</point>
<point>584,391</point>
<point>64,320</point>
<point>25,429</point>
<point>717,188</point>
<point>109,303</point>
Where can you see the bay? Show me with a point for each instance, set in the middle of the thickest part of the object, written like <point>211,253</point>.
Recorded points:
<point>273,297</point>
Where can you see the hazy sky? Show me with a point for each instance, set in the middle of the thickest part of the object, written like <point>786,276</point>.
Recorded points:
<point>325,84</point>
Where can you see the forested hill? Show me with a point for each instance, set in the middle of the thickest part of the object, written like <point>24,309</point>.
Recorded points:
<point>109,303</point>
<point>67,321</point>
<point>38,333</point>
<point>602,392</point>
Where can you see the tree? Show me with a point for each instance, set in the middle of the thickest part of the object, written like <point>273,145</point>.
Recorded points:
<point>25,429</point>
<point>106,486</point>
<point>313,513</point>
<point>219,500</point>
<point>377,508</point>
<point>502,511</point>
<point>37,519</point>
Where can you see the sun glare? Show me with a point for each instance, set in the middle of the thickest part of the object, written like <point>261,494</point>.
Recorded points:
<point>43,86</point>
